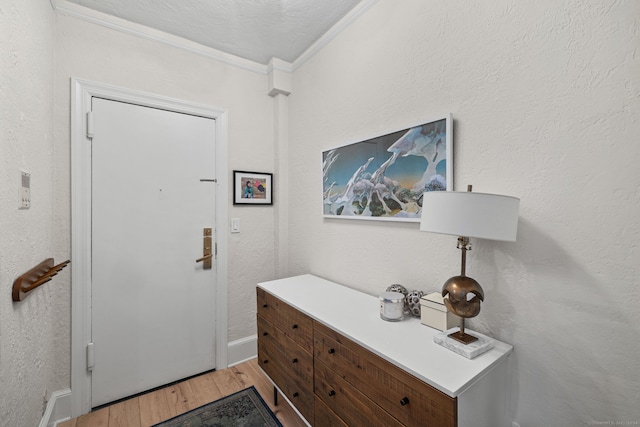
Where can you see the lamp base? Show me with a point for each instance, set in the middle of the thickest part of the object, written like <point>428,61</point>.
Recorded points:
<point>481,345</point>
<point>463,338</point>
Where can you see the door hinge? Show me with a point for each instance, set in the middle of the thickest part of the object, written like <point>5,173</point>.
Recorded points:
<point>90,124</point>
<point>90,356</point>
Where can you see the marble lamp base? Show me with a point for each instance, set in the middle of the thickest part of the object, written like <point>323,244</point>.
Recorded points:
<point>476,348</point>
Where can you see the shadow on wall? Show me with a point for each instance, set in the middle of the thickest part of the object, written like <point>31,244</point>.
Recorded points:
<point>573,334</point>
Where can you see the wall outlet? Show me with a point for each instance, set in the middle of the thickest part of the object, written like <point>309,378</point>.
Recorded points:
<point>25,191</point>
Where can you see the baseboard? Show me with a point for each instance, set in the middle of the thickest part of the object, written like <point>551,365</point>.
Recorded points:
<point>58,408</point>
<point>242,350</point>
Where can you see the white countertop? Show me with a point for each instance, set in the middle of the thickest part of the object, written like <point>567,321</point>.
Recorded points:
<point>407,344</point>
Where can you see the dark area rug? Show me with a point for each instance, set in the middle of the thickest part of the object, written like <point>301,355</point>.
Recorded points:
<point>244,408</point>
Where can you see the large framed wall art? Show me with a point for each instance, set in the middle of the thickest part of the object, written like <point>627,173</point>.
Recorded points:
<point>383,178</point>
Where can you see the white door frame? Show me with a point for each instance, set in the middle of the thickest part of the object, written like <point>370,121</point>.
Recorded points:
<point>81,93</point>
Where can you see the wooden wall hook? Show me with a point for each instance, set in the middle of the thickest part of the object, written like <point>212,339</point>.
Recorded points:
<point>35,277</point>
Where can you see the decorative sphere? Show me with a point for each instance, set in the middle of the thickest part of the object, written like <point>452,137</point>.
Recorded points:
<point>398,288</point>
<point>412,303</point>
<point>465,295</point>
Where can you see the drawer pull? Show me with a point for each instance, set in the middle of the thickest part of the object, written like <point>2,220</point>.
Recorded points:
<point>296,394</point>
<point>332,350</point>
<point>332,393</point>
<point>265,305</point>
<point>294,361</point>
<point>265,361</point>
<point>294,327</point>
<point>404,401</point>
<point>264,334</point>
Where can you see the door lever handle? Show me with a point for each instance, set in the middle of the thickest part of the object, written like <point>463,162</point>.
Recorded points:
<point>207,254</point>
<point>204,258</point>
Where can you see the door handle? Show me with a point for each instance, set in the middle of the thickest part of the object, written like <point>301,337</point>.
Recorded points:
<point>207,255</point>
<point>204,258</point>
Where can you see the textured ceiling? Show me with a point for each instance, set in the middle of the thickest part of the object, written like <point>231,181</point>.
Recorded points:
<point>257,30</point>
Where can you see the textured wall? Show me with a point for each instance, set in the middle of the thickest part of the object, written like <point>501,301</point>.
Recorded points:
<point>29,346</point>
<point>545,98</point>
<point>546,102</point>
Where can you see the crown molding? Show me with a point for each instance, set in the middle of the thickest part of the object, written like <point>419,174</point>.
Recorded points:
<point>279,65</point>
<point>65,7</point>
<point>333,32</point>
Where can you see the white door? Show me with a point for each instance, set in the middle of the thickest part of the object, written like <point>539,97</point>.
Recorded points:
<point>153,306</point>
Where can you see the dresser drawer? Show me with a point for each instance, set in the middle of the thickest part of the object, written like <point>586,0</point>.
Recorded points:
<point>298,390</point>
<point>347,402</point>
<point>408,399</point>
<point>287,352</point>
<point>290,321</point>
<point>325,417</point>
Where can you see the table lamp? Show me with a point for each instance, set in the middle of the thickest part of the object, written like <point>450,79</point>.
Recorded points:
<point>468,214</point>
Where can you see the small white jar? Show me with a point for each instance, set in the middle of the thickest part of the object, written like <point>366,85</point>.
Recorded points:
<point>391,306</point>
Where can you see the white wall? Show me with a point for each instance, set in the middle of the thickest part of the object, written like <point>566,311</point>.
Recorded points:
<point>29,350</point>
<point>546,101</point>
<point>96,53</point>
<point>545,98</point>
<point>35,335</point>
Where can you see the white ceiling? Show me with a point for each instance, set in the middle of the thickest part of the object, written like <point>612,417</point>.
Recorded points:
<point>257,30</point>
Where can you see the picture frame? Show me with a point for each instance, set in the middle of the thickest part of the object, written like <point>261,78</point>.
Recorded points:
<point>384,177</point>
<point>252,188</point>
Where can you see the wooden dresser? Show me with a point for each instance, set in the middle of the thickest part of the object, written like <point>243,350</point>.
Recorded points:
<point>326,349</point>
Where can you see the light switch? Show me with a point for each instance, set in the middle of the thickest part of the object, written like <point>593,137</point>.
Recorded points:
<point>25,191</point>
<point>235,225</point>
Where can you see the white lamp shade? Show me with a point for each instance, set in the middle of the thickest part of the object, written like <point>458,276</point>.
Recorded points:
<point>469,214</point>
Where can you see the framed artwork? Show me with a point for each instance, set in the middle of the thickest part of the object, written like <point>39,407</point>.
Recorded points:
<point>383,178</point>
<point>252,188</point>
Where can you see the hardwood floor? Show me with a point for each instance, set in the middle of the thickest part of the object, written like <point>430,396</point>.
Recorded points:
<point>159,405</point>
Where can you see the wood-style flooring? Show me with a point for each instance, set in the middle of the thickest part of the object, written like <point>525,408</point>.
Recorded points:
<point>159,405</point>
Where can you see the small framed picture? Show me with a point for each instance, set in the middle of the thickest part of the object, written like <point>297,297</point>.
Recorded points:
<point>252,188</point>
